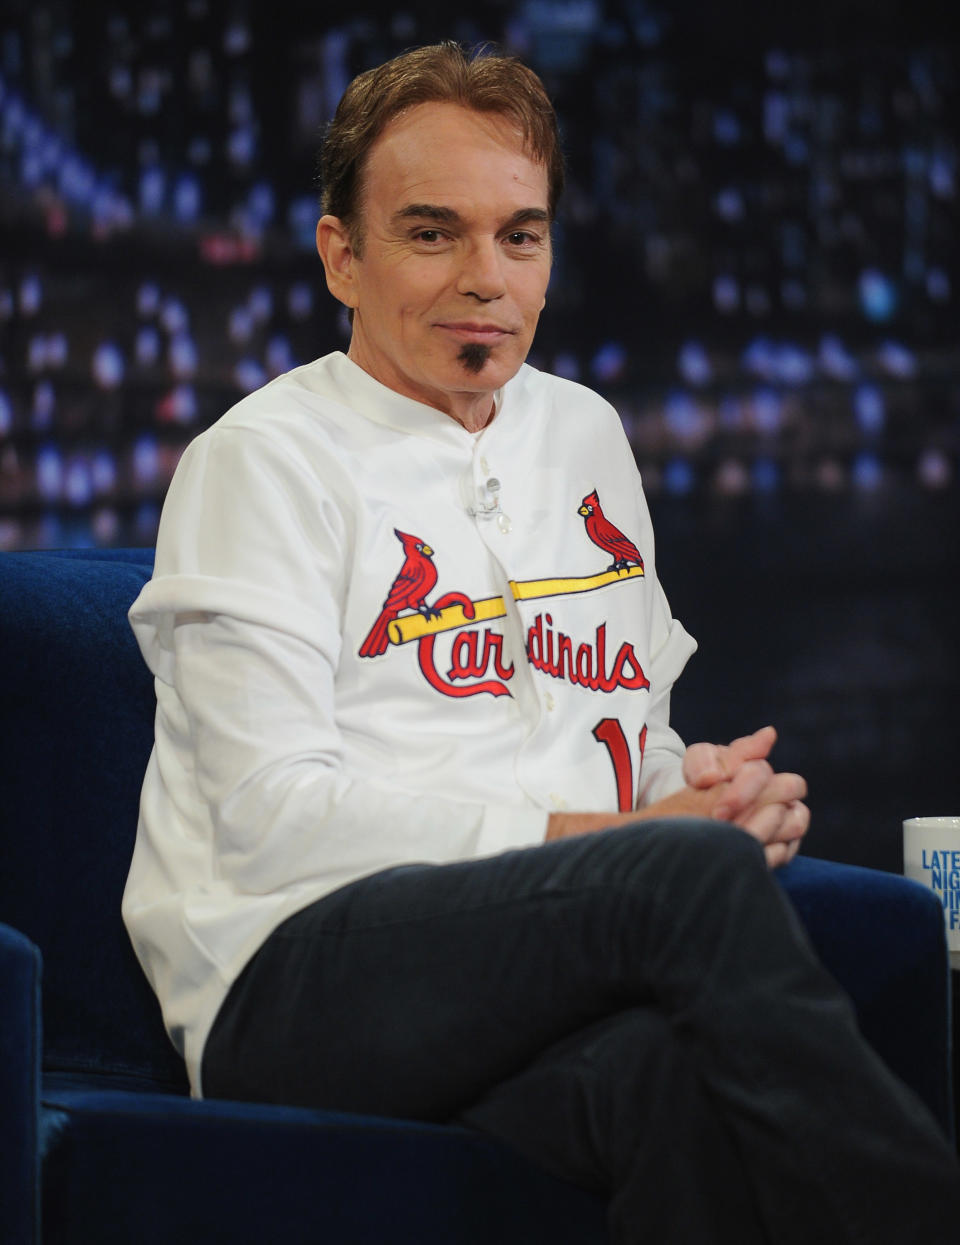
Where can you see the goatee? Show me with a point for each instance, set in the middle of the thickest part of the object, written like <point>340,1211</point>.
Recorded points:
<point>474,355</point>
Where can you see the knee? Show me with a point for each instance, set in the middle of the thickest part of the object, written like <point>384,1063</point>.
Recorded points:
<point>701,850</point>
<point>658,857</point>
<point>716,839</point>
<point>701,834</point>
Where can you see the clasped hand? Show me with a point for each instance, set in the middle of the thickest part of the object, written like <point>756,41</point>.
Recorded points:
<point>727,782</point>
<point>740,786</point>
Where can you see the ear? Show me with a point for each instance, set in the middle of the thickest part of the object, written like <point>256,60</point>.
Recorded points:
<point>337,256</point>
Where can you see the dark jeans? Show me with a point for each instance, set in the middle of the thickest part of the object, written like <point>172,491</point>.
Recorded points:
<point>637,1010</point>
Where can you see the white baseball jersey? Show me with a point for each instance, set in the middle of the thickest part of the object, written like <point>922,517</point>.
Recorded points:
<point>378,639</point>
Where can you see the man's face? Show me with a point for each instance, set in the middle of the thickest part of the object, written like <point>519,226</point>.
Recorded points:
<point>455,258</point>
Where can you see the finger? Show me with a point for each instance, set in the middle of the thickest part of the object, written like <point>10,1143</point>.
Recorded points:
<point>778,823</point>
<point>783,789</point>
<point>744,790</point>
<point>745,796</point>
<point>755,747</point>
<point>777,855</point>
<point>765,823</point>
<point>794,824</point>
<point>705,764</point>
<point>702,765</point>
<point>800,820</point>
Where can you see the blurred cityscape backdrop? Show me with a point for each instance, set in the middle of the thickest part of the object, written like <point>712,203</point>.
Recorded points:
<point>756,261</point>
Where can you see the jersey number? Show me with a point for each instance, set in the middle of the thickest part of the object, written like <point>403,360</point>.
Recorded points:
<point>609,732</point>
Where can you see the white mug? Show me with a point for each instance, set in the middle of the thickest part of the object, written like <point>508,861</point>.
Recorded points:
<point>931,855</point>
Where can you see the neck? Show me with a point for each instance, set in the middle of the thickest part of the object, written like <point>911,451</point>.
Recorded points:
<point>476,412</point>
<point>473,410</point>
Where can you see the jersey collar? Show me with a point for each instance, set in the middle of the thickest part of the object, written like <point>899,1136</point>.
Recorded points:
<point>382,405</point>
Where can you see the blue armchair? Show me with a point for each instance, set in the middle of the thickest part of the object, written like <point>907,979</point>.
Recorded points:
<point>98,1138</point>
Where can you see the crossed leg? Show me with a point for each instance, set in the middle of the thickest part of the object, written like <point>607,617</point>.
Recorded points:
<point>638,1010</point>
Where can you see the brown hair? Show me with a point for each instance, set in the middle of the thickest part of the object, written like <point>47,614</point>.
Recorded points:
<point>444,72</point>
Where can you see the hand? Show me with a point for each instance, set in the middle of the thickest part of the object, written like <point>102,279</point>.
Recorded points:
<point>768,805</point>
<point>706,764</point>
<point>776,816</point>
<point>734,783</point>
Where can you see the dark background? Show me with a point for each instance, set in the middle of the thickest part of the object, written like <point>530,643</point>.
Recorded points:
<point>756,262</point>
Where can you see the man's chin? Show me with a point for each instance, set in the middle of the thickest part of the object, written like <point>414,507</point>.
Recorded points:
<point>470,373</point>
<point>474,357</point>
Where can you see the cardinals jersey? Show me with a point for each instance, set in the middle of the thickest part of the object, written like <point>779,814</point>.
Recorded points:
<point>378,638</point>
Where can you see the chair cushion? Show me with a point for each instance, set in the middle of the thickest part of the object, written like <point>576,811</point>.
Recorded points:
<point>882,938</point>
<point>153,1168</point>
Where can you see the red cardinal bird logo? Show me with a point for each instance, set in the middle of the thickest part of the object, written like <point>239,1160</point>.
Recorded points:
<point>607,537</point>
<point>417,577</point>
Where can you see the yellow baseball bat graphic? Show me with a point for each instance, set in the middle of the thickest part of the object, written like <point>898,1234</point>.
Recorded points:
<point>530,589</point>
<point>416,626</point>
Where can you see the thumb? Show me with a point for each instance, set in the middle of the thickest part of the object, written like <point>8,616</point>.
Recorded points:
<point>702,765</point>
<point>755,747</point>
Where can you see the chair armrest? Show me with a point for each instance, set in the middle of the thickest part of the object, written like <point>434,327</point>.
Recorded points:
<point>882,938</point>
<point>20,1048</point>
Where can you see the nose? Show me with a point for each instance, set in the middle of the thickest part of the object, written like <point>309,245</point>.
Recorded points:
<point>481,273</point>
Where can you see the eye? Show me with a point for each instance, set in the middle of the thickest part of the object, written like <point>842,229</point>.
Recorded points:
<point>429,236</point>
<point>521,237</point>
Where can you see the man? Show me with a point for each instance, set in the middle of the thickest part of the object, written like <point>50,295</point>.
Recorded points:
<point>416,836</point>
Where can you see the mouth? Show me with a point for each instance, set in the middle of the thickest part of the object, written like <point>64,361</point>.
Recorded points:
<point>475,331</point>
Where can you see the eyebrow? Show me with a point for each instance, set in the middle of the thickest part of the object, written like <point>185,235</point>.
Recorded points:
<point>448,216</point>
